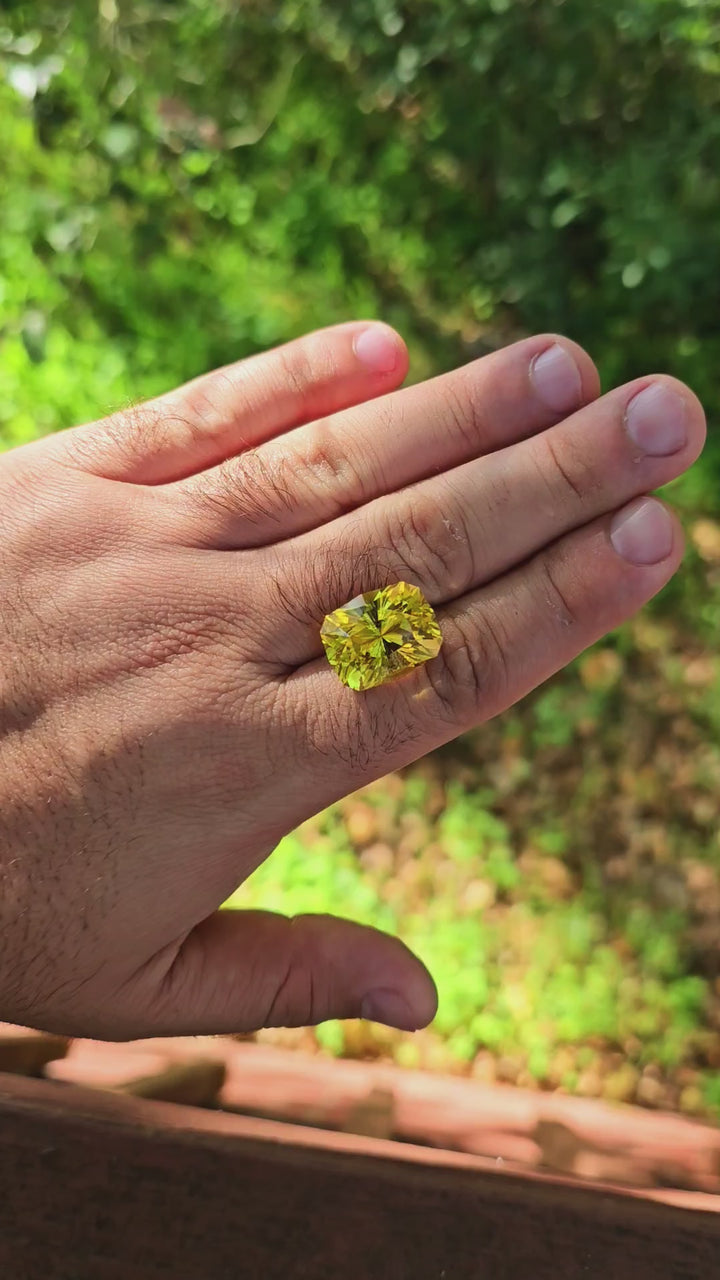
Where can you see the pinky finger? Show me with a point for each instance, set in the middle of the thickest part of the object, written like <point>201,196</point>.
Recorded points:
<point>503,641</point>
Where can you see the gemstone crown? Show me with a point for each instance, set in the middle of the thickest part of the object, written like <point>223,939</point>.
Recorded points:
<point>380,636</point>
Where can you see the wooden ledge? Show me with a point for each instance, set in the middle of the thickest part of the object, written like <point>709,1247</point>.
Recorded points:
<point>99,1185</point>
<point>591,1140</point>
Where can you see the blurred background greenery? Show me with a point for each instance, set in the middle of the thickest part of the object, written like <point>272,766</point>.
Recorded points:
<point>187,182</point>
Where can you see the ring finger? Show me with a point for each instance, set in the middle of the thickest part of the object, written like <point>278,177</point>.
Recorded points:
<point>499,643</point>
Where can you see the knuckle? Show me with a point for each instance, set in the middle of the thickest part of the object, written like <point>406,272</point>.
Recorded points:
<point>463,410</point>
<point>208,404</point>
<point>306,363</point>
<point>562,470</point>
<point>436,547</point>
<point>295,367</point>
<point>300,994</point>
<point>325,467</point>
<point>278,487</point>
<point>249,489</point>
<point>470,675</point>
<point>313,580</point>
<point>361,739</point>
<point>387,416</point>
<point>299,366</point>
<point>558,590</point>
<point>131,434</point>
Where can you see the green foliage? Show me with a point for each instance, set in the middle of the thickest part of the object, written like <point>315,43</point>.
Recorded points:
<point>521,979</point>
<point>184,184</point>
<point>467,168</point>
<point>712,1093</point>
<point>471,834</point>
<point>326,879</point>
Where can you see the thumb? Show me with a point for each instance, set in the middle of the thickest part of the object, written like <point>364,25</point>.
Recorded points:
<point>243,970</point>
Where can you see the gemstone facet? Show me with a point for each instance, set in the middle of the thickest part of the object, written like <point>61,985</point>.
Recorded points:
<point>380,636</point>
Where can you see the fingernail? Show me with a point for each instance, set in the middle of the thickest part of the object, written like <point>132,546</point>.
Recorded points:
<point>390,1008</point>
<point>656,420</point>
<point>556,379</point>
<point>377,349</point>
<point>643,532</point>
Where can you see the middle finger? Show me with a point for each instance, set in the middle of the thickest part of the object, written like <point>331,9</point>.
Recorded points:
<point>456,531</point>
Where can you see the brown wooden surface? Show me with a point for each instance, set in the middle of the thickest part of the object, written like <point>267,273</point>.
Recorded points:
<point>98,1186</point>
<point>587,1138</point>
<point>195,1083</point>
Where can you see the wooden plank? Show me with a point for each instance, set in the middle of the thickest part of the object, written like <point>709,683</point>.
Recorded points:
<point>584,1138</point>
<point>195,1083</point>
<point>97,1186</point>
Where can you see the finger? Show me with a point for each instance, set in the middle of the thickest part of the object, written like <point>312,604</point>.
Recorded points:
<point>498,644</point>
<point>450,534</point>
<point>243,970</point>
<point>238,407</point>
<point>327,467</point>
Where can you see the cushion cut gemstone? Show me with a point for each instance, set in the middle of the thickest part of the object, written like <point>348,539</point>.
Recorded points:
<point>381,635</point>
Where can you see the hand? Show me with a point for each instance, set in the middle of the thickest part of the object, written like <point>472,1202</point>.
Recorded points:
<point>167,714</point>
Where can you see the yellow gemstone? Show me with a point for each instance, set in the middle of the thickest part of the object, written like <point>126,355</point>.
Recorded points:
<point>380,636</point>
